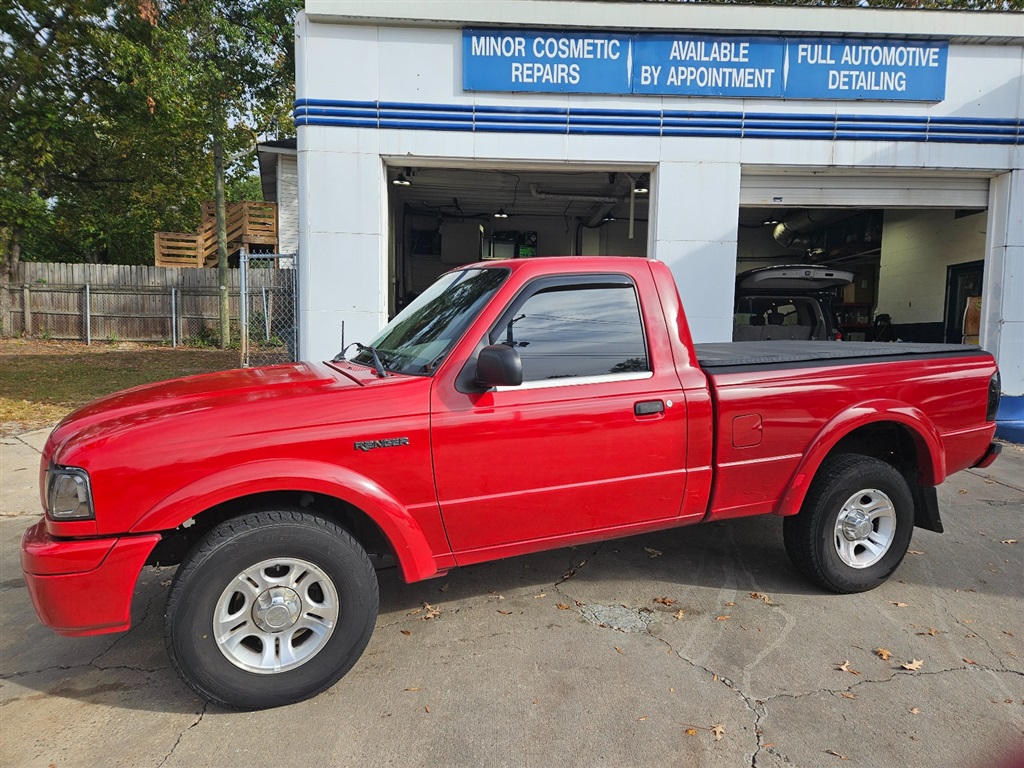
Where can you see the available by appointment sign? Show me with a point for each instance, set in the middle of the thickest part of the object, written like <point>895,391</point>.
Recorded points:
<point>703,65</point>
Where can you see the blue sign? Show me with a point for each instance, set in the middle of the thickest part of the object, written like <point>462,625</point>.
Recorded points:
<point>703,65</point>
<point>866,69</point>
<point>689,65</point>
<point>545,62</point>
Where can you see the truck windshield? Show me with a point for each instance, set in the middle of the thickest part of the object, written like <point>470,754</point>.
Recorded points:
<point>419,337</point>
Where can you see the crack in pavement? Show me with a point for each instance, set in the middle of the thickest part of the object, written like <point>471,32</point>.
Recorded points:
<point>574,567</point>
<point>199,718</point>
<point>997,481</point>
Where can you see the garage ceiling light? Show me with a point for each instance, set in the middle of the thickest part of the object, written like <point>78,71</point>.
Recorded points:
<point>500,214</point>
<point>401,180</point>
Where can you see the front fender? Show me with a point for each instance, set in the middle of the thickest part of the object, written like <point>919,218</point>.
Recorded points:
<point>925,435</point>
<point>402,531</point>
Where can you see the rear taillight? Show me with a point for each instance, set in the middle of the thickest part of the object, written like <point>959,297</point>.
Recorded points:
<point>994,385</point>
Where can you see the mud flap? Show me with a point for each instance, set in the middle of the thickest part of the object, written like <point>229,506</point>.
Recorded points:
<point>926,507</point>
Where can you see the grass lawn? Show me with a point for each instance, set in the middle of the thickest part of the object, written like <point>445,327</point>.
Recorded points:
<point>41,381</point>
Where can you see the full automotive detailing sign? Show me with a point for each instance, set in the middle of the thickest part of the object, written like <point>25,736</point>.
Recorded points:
<point>703,65</point>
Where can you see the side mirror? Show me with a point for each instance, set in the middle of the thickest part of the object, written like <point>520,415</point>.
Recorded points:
<point>499,365</point>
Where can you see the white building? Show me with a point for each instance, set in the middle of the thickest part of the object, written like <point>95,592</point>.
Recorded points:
<point>890,143</point>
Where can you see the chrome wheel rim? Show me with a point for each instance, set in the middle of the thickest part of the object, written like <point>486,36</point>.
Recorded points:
<point>865,528</point>
<point>275,615</point>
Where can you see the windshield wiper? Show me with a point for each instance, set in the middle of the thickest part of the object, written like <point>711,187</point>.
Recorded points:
<point>377,364</point>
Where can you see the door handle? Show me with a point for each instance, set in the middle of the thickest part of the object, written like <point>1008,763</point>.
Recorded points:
<point>648,408</point>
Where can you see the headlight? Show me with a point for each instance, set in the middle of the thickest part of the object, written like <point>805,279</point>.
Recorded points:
<point>68,495</point>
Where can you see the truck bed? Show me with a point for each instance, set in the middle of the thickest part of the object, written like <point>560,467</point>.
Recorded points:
<point>725,357</point>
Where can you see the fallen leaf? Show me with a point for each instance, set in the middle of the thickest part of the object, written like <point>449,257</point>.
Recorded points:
<point>1007,541</point>
<point>836,754</point>
<point>722,618</point>
<point>714,679</point>
<point>932,631</point>
<point>427,710</point>
<point>730,605</point>
<point>413,688</point>
<point>848,695</point>
<point>691,731</point>
<point>914,552</point>
<point>405,632</point>
<point>915,711</point>
<point>845,667</point>
<point>641,719</point>
<point>899,605</point>
<point>1008,634</point>
<point>883,654</point>
<point>578,603</point>
<point>505,613</point>
<point>413,613</point>
<point>653,552</point>
<point>443,588</point>
<point>619,651</point>
<point>718,730</point>
<point>963,490</point>
<point>970,661</point>
<point>165,583</point>
<point>913,665</point>
<point>431,612</point>
<point>758,596</point>
<point>665,600</point>
<point>679,614</point>
<point>495,594</point>
<point>542,594</point>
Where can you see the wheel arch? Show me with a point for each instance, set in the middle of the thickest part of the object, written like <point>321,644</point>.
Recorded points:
<point>371,514</point>
<point>890,430</point>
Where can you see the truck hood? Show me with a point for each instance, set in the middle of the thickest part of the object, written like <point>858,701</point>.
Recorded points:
<point>178,397</point>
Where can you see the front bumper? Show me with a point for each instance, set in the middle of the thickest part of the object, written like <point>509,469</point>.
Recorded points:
<point>83,586</point>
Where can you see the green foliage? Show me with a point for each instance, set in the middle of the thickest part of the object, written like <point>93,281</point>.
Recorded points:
<point>108,110</point>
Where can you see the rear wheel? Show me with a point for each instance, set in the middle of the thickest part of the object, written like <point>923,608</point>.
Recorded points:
<point>270,609</point>
<point>855,525</point>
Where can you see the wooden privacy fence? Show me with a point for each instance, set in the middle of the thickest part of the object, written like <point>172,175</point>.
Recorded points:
<point>100,302</point>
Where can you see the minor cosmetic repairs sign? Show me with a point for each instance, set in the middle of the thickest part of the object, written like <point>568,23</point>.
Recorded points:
<point>704,65</point>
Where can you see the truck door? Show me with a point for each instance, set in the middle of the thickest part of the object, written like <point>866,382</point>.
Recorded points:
<point>593,439</point>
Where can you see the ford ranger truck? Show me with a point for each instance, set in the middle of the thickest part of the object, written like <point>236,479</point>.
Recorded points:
<point>513,407</point>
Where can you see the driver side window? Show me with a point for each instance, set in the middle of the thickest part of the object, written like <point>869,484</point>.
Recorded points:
<point>577,330</point>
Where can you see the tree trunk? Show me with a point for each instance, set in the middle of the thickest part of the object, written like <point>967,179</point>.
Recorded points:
<point>8,277</point>
<point>222,241</point>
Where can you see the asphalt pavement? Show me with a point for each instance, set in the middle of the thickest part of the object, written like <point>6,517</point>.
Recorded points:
<point>695,647</point>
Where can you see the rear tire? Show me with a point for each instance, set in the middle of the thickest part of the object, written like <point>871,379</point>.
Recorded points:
<point>270,609</point>
<point>854,527</point>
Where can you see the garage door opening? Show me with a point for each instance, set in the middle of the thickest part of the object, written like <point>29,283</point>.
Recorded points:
<point>915,272</point>
<point>915,246</point>
<point>442,217</point>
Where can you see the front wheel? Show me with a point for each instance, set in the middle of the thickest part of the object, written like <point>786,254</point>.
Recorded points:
<point>270,609</point>
<point>854,527</point>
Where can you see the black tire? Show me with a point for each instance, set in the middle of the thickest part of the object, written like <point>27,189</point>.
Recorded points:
<point>859,551</point>
<point>242,572</point>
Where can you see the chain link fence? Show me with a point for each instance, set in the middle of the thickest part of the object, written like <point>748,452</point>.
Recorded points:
<point>269,308</point>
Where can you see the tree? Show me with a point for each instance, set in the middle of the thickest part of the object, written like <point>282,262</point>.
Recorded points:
<point>111,113</point>
<point>242,69</point>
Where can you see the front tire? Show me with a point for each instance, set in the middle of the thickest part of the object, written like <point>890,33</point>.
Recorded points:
<point>270,609</point>
<point>854,527</point>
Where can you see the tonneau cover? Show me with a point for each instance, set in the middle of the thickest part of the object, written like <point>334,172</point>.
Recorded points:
<point>735,354</point>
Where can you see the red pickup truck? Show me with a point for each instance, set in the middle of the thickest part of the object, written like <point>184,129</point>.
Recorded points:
<point>515,406</point>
